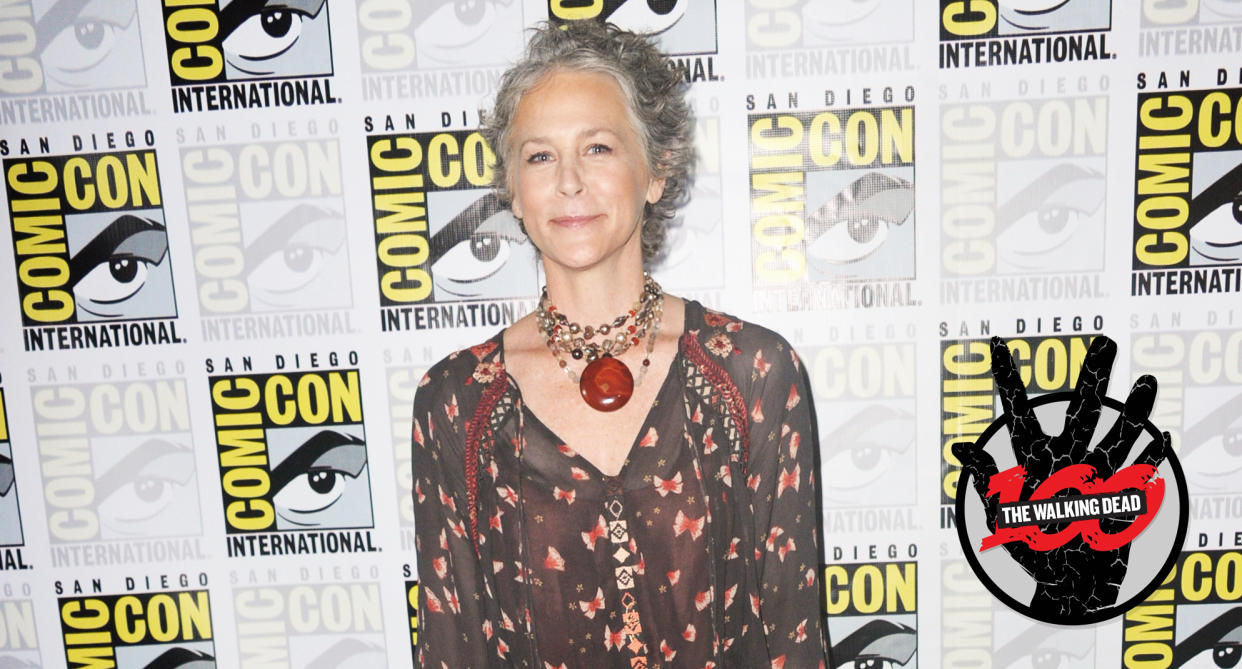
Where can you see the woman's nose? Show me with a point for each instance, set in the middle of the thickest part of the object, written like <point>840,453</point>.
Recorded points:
<point>568,177</point>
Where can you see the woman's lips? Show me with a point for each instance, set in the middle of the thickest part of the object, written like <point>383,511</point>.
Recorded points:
<point>574,221</point>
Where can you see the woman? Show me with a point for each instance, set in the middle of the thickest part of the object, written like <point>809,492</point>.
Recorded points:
<point>566,516</point>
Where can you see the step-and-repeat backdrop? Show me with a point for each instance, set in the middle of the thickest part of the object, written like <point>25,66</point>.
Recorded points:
<point>237,235</point>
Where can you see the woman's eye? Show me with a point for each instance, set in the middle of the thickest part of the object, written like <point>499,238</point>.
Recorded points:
<point>540,157</point>
<point>269,33</point>
<point>599,148</point>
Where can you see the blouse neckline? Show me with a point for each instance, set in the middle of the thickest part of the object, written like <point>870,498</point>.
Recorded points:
<point>690,306</point>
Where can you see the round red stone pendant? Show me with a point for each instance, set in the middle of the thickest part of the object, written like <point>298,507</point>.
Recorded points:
<point>606,384</point>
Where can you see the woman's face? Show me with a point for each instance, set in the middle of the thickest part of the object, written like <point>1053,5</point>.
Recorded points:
<point>579,174</point>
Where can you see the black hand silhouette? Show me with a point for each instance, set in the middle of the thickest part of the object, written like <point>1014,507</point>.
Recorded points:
<point>1074,579</point>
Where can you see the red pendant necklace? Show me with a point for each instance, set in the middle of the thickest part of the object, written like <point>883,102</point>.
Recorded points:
<point>606,384</point>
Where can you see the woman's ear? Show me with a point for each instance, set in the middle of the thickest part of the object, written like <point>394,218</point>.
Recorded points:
<point>655,190</point>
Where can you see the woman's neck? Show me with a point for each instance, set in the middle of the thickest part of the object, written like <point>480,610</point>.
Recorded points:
<point>594,297</point>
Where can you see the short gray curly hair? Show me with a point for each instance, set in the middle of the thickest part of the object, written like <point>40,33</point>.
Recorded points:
<point>655,102</point>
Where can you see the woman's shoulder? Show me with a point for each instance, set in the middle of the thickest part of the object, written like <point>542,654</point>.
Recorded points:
<point>730,339</point>
<point>463,373</point>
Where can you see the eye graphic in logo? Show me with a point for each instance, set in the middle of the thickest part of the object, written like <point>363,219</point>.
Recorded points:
<point>10,519</point>
<point>275,38</point>
<point>1217,643</point>
<point>148,490</point>
<point>192,655</point>
<point>863,457</point>
<point>467,33</point>
<point>6,473</point>
<point>481,252</point>
<point>648,16</point>
<point>1040,646</point>
<point>1055,222</point>
<point>878,644</point>
<point>351,653</point>
<point>1212,446</point>
<point>119,266</point>
<point>867,215</point>
<point>1080,526</point>
<point>682,26</point>
<point>1035,16</point>
<point>298,261</point>
<point>1216,215</point>
<point>854,21</point>
<point>323,481</point>
<point>182,658</point>
<point>1219,11</point>
<point>691,230</point>
<point>86,44</point>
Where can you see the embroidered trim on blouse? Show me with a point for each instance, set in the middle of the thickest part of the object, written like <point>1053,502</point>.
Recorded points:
<point>479,437</point>
<point>729,392</point>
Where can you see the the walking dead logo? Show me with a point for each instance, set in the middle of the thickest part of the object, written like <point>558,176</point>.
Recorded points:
<point>1090,509</point>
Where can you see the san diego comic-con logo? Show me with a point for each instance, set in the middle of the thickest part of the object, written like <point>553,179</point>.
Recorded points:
<point>684,29</point>
<point>814,39</point>
<point>865,399</point>
<point>1200,403</point>
<point>247,54</point>
<point>267,225</point>
<point>20,642</point>
<point>293,460</point>
<point>136,629</point>
<point>806,24</point>
<point>411,610</point>
<point>1189,27</point>
<point>693,252</point>
<point>12,540</point>
<point>871,609</point>
<point>447,253</point>
<point>117,462</point>
<point>832,201</point>
<point>987,33</point>
<point>1158,13</point>
<point>91,250</point>
<point>310,624</point>
<point>1188,190</point>
<point>1193,619</point>
<point>1090,511</point>
<point>1022,201</point>
<point>69,46</point>
<point>396,35</point>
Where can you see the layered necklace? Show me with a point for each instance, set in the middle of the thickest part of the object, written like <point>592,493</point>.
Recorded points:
<point>606,384</point>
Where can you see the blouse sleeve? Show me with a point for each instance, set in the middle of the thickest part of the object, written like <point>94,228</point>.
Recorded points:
<point>451,616</point>
<point>782,476</point>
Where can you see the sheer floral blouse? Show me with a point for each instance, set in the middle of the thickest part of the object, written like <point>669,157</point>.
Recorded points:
<point>701,552</point>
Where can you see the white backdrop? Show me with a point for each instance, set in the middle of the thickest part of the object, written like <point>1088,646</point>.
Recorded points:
<point>235,243</point>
